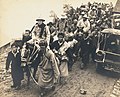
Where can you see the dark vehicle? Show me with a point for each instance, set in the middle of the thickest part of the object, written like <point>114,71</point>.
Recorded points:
<point>108,50</point>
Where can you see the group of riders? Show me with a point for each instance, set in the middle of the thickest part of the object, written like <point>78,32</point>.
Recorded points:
<point>53,48</point>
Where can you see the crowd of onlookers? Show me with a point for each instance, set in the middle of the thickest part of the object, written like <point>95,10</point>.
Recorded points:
<point>86,22</point>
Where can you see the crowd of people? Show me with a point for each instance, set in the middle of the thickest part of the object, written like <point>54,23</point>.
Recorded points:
<point>61,42</point>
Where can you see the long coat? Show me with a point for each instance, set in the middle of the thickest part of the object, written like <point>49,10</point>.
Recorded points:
<point>49,71</point>
<point>15,62</point>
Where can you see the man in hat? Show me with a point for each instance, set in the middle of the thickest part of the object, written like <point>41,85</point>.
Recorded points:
<point>62,23</point>
<point>84,26</point>
<point>81,15</point>
<point>14,59</point>
<point>52,30</point>
<point>100,12</point>
<point>49,71</point>
<point>41,30</point>
<point>92,13</point>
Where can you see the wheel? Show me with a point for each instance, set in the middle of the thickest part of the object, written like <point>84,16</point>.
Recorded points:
<point>99,67</point>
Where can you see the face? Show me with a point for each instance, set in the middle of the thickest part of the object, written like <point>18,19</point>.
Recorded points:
<point>60,38</point>
<point>40,22</point>
<point>14,49</point>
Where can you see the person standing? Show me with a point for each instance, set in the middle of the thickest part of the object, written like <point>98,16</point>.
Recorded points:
<point>85,41</point>
<point>14,59</point>
<point>49,71</point>
<point>59,47</point>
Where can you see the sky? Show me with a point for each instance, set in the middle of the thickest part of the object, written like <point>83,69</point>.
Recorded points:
<point>18,15</point>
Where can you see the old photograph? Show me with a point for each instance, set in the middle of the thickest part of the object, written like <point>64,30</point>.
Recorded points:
<point>59,48</point>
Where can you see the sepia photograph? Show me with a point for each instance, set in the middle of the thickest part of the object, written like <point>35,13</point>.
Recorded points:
<point>59,48</point>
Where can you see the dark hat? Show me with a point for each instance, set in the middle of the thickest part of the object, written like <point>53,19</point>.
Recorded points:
<point>83,9</point>
<point>27,31</point>
<point>82,6</point>
<point>40,19</point>
<point>50,23</point>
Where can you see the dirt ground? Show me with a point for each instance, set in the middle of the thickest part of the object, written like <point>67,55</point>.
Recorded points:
<point>95,85</point>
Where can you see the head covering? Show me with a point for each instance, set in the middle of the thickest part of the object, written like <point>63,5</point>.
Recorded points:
<point>13,45</point>
<point>27,31</point>
<point>50,23</point>
<point>63,17</point>
<point>40,19</point>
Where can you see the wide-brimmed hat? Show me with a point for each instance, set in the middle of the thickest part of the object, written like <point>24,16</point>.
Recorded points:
<point>40,19</point>
<point>63,16</point>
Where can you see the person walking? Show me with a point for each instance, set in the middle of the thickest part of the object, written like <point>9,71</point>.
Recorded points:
<point>14,59</point>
